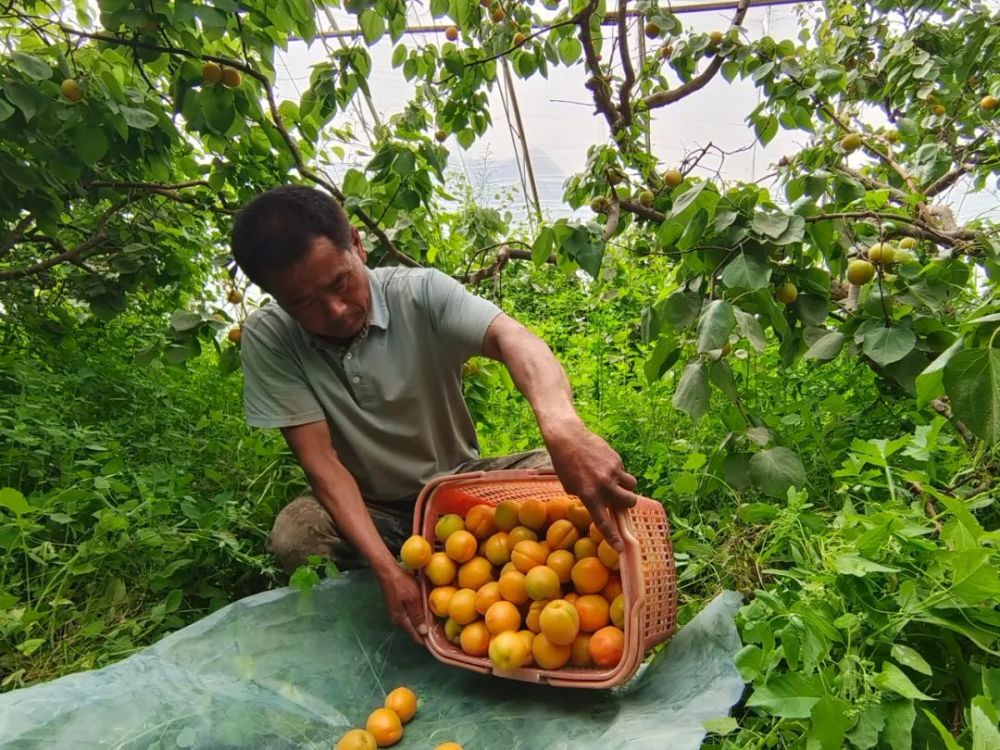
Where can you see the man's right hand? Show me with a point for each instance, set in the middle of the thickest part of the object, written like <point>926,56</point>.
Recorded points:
<point>402,597</point>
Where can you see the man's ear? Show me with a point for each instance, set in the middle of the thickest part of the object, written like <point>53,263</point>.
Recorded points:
<point>359,246</point>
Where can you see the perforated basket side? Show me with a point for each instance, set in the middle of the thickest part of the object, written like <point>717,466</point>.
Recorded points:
<point>659,574</point>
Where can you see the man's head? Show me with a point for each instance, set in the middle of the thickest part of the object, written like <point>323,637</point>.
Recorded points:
<point>297,244</point>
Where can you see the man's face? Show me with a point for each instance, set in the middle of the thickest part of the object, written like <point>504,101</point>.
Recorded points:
<point>327,290</point>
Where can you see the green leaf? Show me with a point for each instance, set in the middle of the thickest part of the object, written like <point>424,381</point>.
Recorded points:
<point>570,50</point>
<point>680,309</point>
<point>985,734</point>
<point>811,309</point>
<point>972,382</point>
<point>790,695</point>
<point>355,183</point>
<point>721,376</point>
<point>946,736</point>
<point>826,348</point>
<point>665,355</point>
<point>140,119</point>
<point>867,728</point>
<point>399,55</point>
<point>6,109</point>
<point>717,321</point>
<point>91,143</point>
<point>855,565</point>
<point>31,66</point>
<point>829,723</point>
<point>542,249</point>
<point>769,224</point>
<point>183,320</point>
<point>894,679</point>
<point>776,469</point>
<point>684,200</point>
<point>582,248</point>
<point>899,717</point>
<point>910,658</point>
<point>750,329</point>
<point>692,393</point>
<point>721,726</point>
<point>930,382</point>
<point>749,271</point>
<point>372,26</point>
<point>26,98</point>
<point>887,345</point>
<point>14,501</point>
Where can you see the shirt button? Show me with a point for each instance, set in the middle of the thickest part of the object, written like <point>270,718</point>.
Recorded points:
<point>347,356</point>
<point>356,380</point>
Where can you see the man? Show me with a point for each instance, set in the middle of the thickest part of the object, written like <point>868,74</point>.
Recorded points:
<point>362,372</point>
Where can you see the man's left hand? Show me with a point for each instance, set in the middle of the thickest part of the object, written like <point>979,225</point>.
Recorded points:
<point>591,469</point>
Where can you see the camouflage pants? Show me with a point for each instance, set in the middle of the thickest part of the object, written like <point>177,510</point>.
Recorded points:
<point>304,528</point>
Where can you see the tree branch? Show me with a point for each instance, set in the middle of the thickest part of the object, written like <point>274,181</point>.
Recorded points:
<point>16,234</point>
<point>625,90</point>
<point>597,84</point>
<point>917,229</point>
<point>663,98</point>
<point>504,256</point>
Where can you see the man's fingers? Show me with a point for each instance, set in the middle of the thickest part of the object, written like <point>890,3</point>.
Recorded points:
<point>626,480</point>
<point>607,527</point>
<point>620,497</point>
<point>415,613</point>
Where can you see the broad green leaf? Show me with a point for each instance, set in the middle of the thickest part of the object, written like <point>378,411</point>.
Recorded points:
<point>893,678</point>
<point>887,345</point>
<point>747,271</point>
<point>687,198</point>
<point>717,321</point>
<point>829,723</point>
<point>871,720</point>
<point>692,393</point>
<point>776,469</point>
<point>769,224</point>
<point>985,734</point>
<point>826,348</point>
<point>140,119</point>
<point>570,50</point>
<point>750,329</point>
<point>665,355</point>
<point>14,501</point>
<point>31,66</point>
<point>794,232</point>
<point>586,251</point>
<point>790,696</point>
<point>736,470</point>
<point>542,248</point>
<point>399,55</point>
<point>721,726</point>
<point>811,309</point>
<point>182,320</point>
<point>91,143</point>
<point>6,109</point>
<point>355,183</point>
<point>680,309</point>
<point>946,737</point>
<point>26,98</point>
<point>372,26</point>
<point>899,717</point>
<point>972,382</point>
<point>856,565</point>
<point>910,658</point>
<point>721,376</point>
<point>930,382</point>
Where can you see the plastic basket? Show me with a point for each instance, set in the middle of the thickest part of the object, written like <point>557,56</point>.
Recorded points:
<point>646,567</point>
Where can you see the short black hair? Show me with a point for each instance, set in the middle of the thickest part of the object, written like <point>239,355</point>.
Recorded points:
<point>278,227</point>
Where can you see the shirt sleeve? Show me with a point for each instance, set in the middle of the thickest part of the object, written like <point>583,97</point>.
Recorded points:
<point>275,390</point>
<point>460,317</point>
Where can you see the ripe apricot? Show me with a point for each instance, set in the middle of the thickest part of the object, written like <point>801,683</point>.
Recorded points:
<point>585,548</point>
<point>562,562</point>
<point>440,569</point>
<point>497,548</point>
<point>403,701</point>
<point>562,535</point>
<point>452,630</point>
<point>617,611</point>
<point>607,555</point>
<point>589,576</point>
<point>481,521</point>
<point>593,612</point>
<point>502,616</point>
<point>508,651</point>
<point>440,598</point>
<point>528,637</point>
<point>580,653</point>
<point>475,573</point>
<point>549,655</point>
<point>557,507</point>
<point>613,588</point>
<point>559,622</point>
<point>447,525</point>
<point>579,516</point>
<point>462,607</point>
<point>475,639</point>
<point>508,568</point>
<point>528,554</point>
<point>532,514</point>
<point>384,725</point>
<point>460,546</point>
<point>486,596</point>
<point>607,646</point>
<point>356,739</point>
<point>595,533</point>
<point>512,587</point>
<point>505,515</point>
<point>571,597</point>
<point>541,582</point>
<point>534,612</point>
<point>448,746</point>
<point>416,552</point>
<point>521,534</point>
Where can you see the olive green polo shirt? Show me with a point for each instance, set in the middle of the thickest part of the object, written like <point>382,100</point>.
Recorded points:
<point>393,399</point>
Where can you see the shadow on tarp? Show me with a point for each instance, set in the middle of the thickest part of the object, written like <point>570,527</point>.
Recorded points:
<point>277,670</point>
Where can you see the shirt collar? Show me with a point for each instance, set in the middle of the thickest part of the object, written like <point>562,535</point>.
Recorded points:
<point>378,316</point>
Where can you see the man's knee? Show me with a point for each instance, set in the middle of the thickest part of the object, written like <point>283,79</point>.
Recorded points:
<point>303,528</point>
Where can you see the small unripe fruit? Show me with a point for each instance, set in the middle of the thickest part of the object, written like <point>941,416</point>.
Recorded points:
<point>211,72</point>
<point>787,293</point>
<point>235,335</point>
<point>652,30</point>
<point>673,177</point>
<point>938,109</point>
<point>498,15</point>
<point>440,136</point>
<point>907,243</point>
<point>715,38</point>
<point>860,272</point>
<point>882,253</point>
<point>71,90</point>
<point>851,142</point>
<point>615,176</point>
<point>666,51</point>
<point>989,103</point>
<point>451,33</point>
<point>231,78</point>
<point>599,205</point>
<point>235,296</point>
<point>646,197</point>
<point>518,39</point>
<point>892,136</point>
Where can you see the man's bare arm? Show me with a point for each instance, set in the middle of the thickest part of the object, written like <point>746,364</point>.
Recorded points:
<point>586,464</point>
